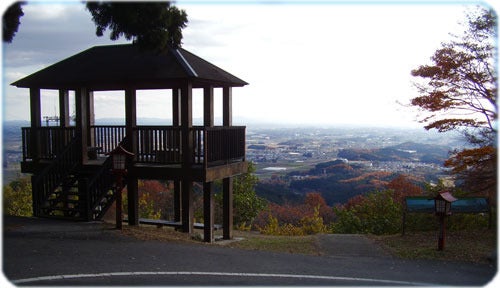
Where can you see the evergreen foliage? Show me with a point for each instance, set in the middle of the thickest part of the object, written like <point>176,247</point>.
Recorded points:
<point>247,204</point>
<point>11,21</point>
<point>152,25</point>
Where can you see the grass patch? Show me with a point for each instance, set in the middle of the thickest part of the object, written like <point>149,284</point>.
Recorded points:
<point>148,232</point>
<point>288,244</point>
<point>250,240</point>
<point>476,246</point>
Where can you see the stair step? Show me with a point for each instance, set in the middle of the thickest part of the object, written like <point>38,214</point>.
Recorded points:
<point>68,192</point>
<point>52,209</point>
<point>63,196</point>
<point>75,217</point>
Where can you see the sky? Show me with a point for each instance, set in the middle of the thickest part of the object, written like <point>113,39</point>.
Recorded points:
<point>325,63</point>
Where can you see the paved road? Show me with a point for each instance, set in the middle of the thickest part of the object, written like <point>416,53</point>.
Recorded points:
<point>47,252</point>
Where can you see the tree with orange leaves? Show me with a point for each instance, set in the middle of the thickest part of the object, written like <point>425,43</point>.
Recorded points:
<point>402,186</point>
<point>458,92</point>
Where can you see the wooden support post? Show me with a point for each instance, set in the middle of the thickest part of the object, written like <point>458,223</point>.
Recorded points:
<point>64,117</point>
<point>177,200</point>
<point>82,121</point>
<point>35,197</point>
<point>208,212</point>
<point>227,183</point>
<point>176,122</point>
<point>36,108</point>
<point>187,207</point>
<point>208,106</point>
<point>119,202</point>
<point>227,109</point>
<point>36,122</point>
<point>187,157</point>
<point>442,232</point>
<point>131,120</point>
<point>208,188</point>
<point>227,207</point>
<point>208,119</point>
<point>132,182</point>
<point>90,118</point>
<point>176,107</point>
<point>186,125</point>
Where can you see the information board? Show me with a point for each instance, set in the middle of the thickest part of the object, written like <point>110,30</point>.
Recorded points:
<point>462,205</point>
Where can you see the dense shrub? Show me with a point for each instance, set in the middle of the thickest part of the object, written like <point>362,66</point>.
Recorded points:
<point>313,224</point>
<point>307,225</point>
<point>246,203</point>
<point>310,217</point>
<point>376,213</point>
<point>466,221</point>
<point>284,214</point>
<point>17,198</point>
<point>273,228</point>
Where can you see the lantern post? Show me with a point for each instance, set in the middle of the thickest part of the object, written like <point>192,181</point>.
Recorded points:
<point>119,169</point>
<point>442,208</point>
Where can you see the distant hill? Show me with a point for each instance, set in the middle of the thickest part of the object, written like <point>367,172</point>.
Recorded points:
<point>404,152</point>
<point>337,181</point>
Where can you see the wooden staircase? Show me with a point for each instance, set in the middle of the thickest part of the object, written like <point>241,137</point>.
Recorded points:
<point>66,189</point>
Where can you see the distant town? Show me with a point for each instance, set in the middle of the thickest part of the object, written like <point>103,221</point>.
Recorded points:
<point>282,150</point>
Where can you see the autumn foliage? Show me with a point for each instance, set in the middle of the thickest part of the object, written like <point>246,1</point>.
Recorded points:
<point>478,169</point>
<point>458,92</point>
<point>310,217</point>
<point>155,199</point>
<point>378,212</point>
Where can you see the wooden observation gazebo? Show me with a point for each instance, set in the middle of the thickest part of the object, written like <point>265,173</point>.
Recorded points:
<point>70,182</point>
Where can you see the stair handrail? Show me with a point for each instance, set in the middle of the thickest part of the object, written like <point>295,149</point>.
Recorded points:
<point>51,176</point>
<point>100,184</point>
<point>97,187</point>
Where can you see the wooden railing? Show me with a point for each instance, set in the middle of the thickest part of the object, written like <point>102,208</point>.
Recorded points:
<point>155,144</point>
<point>51,141</point>
<point>107,137</point>
<point>158,144</point>
<point>211,145</point>
<point>224,144</point>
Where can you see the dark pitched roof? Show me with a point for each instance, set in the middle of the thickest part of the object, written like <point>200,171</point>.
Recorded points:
<point>120,66</point>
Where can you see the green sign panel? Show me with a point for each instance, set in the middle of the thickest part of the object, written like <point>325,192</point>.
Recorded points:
<point>462,205</point>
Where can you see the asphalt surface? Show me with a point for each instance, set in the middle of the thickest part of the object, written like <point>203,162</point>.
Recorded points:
<point>40,252</point>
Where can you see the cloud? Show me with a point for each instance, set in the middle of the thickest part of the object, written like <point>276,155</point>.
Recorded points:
<point>49,11</point>
<point>49,33</point>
